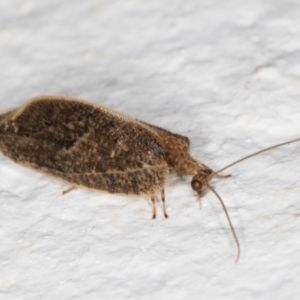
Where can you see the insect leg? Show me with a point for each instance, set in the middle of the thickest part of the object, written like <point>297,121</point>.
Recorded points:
<point>69,189</point>
<point>153,207</point>
<point>164,203</point>
<point>222,176</point>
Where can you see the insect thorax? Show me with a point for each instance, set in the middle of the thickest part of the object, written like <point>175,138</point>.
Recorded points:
<point>177,155</point>
<point>179,159</point>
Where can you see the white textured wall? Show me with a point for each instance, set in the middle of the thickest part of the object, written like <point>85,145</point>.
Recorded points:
<point>224,73</point>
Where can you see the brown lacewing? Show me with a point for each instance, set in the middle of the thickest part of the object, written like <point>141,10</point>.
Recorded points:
<point>92,146</point>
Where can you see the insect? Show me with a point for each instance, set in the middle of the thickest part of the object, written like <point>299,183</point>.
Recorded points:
<point>89,145</point>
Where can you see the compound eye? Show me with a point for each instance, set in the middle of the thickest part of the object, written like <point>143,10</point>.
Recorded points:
<point>196,185</point>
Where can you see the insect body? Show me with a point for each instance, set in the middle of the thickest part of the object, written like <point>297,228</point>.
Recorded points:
<point>93,146</point>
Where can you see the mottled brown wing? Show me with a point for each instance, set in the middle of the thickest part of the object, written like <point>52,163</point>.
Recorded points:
<point>86,145</point>
<point>165,133</point>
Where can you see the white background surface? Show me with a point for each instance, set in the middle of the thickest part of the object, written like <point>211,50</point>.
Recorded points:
<point>224,73</point>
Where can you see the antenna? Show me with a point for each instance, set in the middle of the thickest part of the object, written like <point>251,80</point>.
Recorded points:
<point>254,154</point>
<point>216,174</point>
<point>229,221</point>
